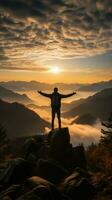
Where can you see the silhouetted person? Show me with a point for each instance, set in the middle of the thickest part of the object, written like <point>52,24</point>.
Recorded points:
<point>56,104</point>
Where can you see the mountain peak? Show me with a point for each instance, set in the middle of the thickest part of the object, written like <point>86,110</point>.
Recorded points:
<point>10,96</point>
<point>99,105</point>
<point>19,120</point>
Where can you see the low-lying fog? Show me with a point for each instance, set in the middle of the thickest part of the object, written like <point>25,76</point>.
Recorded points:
<point>40,100</point>
<point>85,134</point>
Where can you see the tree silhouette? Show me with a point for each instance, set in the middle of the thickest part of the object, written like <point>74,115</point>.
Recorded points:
<point>106,138</point>
<point>3,141</point>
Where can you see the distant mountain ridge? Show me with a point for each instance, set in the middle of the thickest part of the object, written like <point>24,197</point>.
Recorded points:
<point>20,121</point>
<point>73,104</point>
<point>85,119</point>
<point>10,96</point>
<point>97,86</point>
<point>34,85</point>
<point>98,105</point>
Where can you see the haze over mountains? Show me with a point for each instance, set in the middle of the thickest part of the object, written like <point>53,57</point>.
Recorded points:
<point>87,119</point>
<point>98,106</point>
<point>10,96</point>
<point>87,110</point>
<point>34,85</point>
<point>97,86</point>
<point>20,121</point>
<point>14,116</point>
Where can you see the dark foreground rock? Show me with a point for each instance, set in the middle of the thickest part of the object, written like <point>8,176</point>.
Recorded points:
<point>51,169</point>
<point>36,148</point>
<point>77,187</point>
<point>62,151</point>
<point>42,189</point>
<point>34,188</point>
<point>16,171</point>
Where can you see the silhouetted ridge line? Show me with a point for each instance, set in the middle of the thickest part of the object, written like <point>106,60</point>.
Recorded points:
<point>20,121</point>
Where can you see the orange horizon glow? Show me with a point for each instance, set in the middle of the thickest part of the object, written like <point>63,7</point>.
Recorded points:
<point>52,78</point>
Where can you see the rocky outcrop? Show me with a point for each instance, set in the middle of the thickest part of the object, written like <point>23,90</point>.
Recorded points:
<point>51,169</point>
<point>62,151</point>
<point>77,186</point>
<point>38,188</point>
<point>16,171</point>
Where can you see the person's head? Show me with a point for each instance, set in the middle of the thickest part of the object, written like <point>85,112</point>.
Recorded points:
<point>55,89</point>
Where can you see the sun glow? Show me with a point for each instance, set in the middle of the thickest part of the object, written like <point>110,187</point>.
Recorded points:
<point>55,70</point>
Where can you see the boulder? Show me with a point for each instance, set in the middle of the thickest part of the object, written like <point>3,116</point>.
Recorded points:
<point>60,148</point>
<point>35,148</point>
<point>59,136</point>
<point>77,187</point>
<point>51,171</point>
<point>39,189</point>
<point>30,147</point>
<point>80,157</point>
<point>6,198</point>
<point>62,151</point>
<point>16,171</point>
<point>11,192</point>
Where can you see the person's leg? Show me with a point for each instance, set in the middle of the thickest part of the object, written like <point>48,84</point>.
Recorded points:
<point>53,117</point>
<point>59,117</point>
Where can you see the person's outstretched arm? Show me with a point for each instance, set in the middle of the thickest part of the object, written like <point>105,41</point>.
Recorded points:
<point>44,94</point>
<point>67,95</point>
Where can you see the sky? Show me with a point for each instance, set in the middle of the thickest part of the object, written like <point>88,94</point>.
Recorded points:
<point>73,36</point>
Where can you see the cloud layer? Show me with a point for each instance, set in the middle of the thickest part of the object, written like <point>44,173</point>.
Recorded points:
<point>79,133</point>
<point>35,31</point>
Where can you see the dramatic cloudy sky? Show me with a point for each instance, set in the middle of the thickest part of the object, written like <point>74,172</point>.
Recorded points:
<point>75,35</point>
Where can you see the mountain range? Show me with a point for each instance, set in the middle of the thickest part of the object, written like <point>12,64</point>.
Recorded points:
<point>20,121</point>
<point>96,86</point>
<point>85,119</point>
<point>10,96</point>
<point>64,107</point>
<point>34,85</point>
<point>98,106</point>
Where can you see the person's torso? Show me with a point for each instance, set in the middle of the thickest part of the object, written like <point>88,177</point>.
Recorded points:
<point>55,99</point>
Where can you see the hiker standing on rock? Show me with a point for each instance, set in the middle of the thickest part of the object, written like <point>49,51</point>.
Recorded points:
<point>56,104</point>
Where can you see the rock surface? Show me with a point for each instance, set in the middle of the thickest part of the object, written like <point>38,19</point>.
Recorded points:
<point>50,169</point>
<point>62,151</point>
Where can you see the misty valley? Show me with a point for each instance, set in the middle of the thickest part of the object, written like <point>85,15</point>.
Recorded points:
<point>74,161</point>
<point>55,100</point>
<point>82,113</point>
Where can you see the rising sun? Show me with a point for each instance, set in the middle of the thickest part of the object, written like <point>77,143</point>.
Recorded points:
<point>55,70</point>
